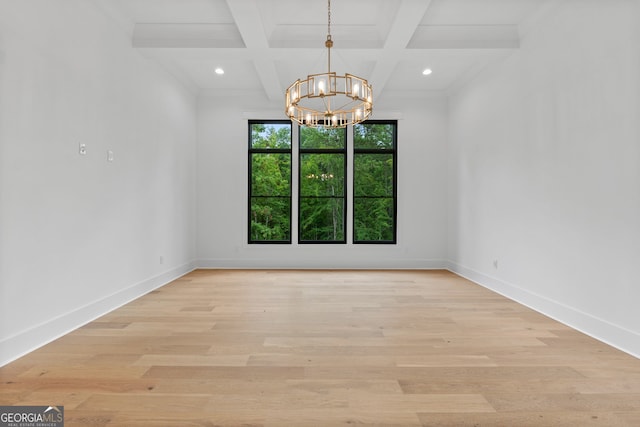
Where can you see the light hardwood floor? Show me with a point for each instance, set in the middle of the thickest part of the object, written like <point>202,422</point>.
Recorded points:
<point>325,348</point>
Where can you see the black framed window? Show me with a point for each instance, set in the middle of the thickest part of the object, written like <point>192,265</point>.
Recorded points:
<point>374,182</point>
<point>270,181</point>
<point>322,197</point>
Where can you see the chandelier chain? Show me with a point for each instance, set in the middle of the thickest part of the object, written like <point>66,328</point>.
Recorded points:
<point>329,18</point>
<point>328,44</point>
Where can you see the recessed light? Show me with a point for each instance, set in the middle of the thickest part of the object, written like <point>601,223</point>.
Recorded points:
<point>219,71</point>
<point>427,71</point>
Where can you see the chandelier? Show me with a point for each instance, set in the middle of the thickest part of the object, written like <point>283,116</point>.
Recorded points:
<point>329,100</point>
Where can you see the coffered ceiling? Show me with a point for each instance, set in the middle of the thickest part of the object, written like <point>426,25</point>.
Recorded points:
<point>264,45</point>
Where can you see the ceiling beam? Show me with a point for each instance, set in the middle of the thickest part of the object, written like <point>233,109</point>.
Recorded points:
<point>250,25</point>
<point>405,22</point>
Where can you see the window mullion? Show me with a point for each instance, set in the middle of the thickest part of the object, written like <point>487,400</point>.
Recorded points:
<point>349,184</point>
<point>295,184</point>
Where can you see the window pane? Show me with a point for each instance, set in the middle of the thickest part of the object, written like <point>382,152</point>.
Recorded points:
<point>322,219</point>
<point>322,197</point>
<point>373,175</point>
<point>322,185</point>
<point>322,138</point>
<point>322,175</point>
<point>271,135</point>
<point>373,136</point>
<point>269,201</point>
<point>373,219</point>
<point>270,219</point>
<point>270,174</point>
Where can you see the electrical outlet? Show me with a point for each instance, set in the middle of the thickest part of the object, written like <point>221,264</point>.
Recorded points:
<point>82,149</point>
<point>109,156</point>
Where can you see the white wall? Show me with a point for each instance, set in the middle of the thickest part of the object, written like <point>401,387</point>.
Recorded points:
<point>80,235</point>
<point>222,193</point>
<point>545,170</point>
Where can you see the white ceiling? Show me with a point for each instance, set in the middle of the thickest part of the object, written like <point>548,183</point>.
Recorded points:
<point>265,45</point>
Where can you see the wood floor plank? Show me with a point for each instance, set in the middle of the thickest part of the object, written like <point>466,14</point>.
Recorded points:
<point>524,419</point>
<point>227,372</point>
<point>327,348</point>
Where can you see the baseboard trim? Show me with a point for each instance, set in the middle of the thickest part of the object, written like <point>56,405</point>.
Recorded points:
<point>614,335</point>
<point>24,342</point>
<point>320,264</point>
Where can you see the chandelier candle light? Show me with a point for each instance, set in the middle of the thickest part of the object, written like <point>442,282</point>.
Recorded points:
<point>309,101</point>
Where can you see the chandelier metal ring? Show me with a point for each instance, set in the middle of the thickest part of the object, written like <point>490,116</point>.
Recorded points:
<point>309,101</point>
